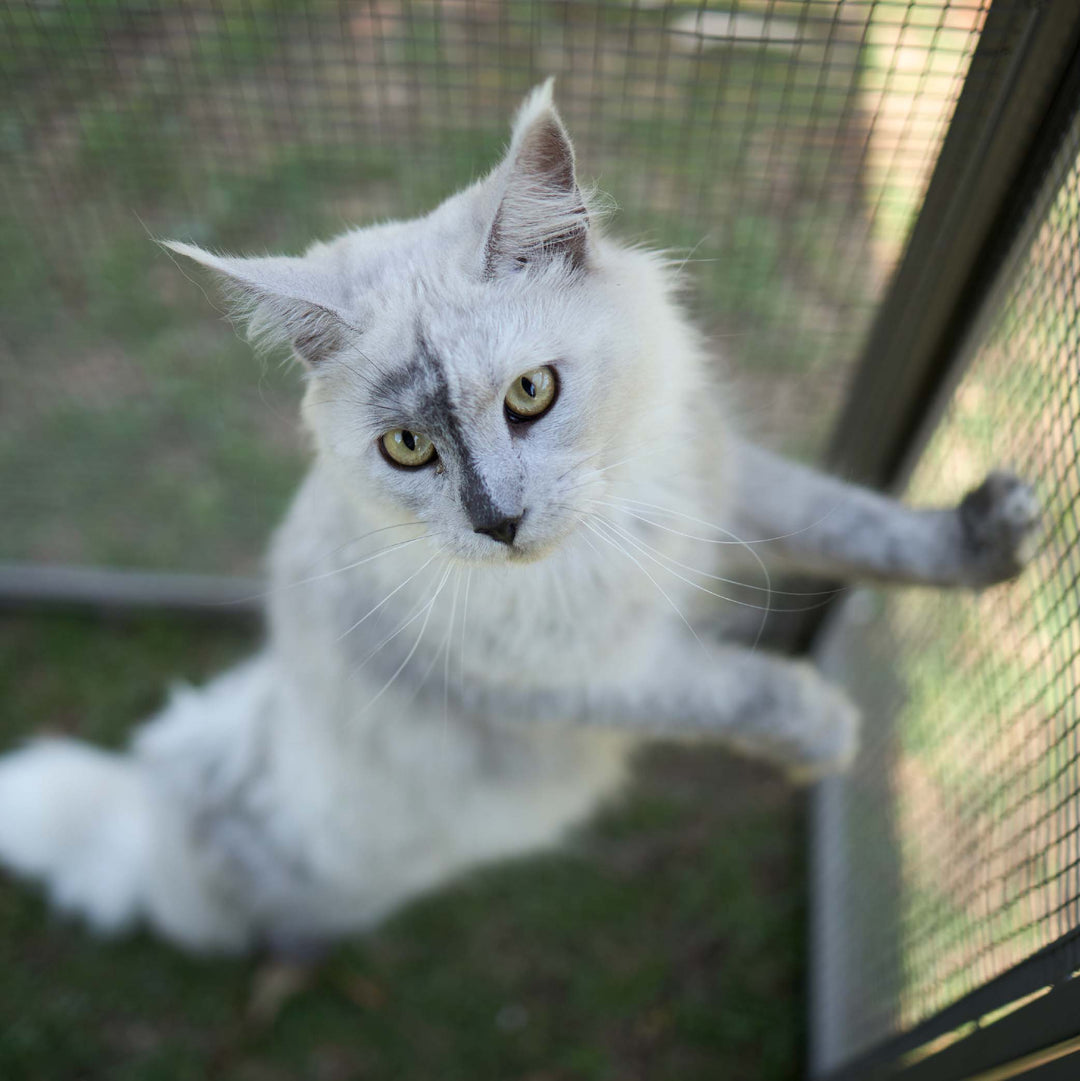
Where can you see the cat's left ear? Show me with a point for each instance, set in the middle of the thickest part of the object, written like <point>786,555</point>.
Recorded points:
<point>281,299</point>
<point>541,214</point>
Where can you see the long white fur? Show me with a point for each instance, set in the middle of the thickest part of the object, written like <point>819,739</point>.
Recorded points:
<point>386,803</point>
<point>315,788</point>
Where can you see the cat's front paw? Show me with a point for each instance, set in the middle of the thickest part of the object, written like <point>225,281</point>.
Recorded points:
<point>827,725</point>
<point>1001,524</point>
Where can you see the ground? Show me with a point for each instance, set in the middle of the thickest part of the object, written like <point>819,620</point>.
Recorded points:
<point>665,941</point>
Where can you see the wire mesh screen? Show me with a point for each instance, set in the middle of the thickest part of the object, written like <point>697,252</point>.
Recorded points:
<point>781,147</point>
<point>956,853</point>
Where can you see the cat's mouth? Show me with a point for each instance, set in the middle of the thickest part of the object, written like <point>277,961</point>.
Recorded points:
<point>530,552</point>
<point>532,547</point>
<point>525,551</point>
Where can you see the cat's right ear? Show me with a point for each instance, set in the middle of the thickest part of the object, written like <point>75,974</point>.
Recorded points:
<point>541,212</point>
<point>280,299</point>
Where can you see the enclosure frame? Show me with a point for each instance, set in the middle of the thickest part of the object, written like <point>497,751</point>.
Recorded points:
<point>1021,93</point>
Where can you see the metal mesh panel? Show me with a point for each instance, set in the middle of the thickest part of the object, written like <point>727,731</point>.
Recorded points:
<point>782,147</point>
<point>954,852</point>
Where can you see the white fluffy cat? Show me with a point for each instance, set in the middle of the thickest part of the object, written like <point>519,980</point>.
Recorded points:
<point>486,592</point>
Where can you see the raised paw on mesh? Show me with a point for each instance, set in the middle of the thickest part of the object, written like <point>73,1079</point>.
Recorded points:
<point>1001,523</point>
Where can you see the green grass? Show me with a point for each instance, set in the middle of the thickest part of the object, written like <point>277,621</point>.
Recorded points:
<point>665,941</point>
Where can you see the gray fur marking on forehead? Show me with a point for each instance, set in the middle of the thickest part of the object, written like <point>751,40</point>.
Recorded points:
<point>425,376</point>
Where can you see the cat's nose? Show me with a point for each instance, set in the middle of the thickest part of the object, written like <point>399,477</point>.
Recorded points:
<point>503,531</point>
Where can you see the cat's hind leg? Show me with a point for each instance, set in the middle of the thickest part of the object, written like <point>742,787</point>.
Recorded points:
<point>90,826</point>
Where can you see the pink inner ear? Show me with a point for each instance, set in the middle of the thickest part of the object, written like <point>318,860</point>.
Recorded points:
<point>542,214</point>
<point>547,152</point>
<point>318,337</point>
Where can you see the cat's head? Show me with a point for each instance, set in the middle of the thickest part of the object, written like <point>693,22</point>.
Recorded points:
<point>481,367</point>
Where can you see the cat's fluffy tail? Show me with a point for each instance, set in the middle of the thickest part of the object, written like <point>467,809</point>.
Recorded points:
<point>88,824</point>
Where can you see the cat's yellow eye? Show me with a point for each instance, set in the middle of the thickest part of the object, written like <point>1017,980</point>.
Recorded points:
<point>531,394</point>
<point>408,449</point>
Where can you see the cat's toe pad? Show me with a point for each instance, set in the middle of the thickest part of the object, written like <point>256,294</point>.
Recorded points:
<point>1001,522</point>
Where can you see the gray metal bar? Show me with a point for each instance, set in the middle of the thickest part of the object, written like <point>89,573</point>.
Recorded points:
<point>961,236</point>
<point>828,941</point>
<point>25,585</point>
<point>1022,90</point>
<point>1048,1022</point>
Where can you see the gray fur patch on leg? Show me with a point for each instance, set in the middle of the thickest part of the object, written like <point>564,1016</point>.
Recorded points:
<point>1001,522</point>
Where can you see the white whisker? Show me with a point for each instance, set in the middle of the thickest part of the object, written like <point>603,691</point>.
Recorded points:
<point>689,255</point>
<point>769,588</point>
<point>396,589</point>
<point>594,473</point>
<point>417,612</point>
<point>718,577</point>
<point>359,562</point>
<point>587,541</point>
<point>415,646</point>
<point>446,662</point>
<point>464,620</point>
<point>442,647</point>
<point>364,536</point>
<point>660,588</point>
<point>721,529</point>
<point>647,550</point>
<point>385,550</point>
<point>627,460</point>
<point>642,545</point>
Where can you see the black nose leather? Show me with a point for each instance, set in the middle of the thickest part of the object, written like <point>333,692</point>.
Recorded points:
<point>504,531</point>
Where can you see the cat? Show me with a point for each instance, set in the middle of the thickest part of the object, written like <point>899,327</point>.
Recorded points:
<point>490,589</point>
